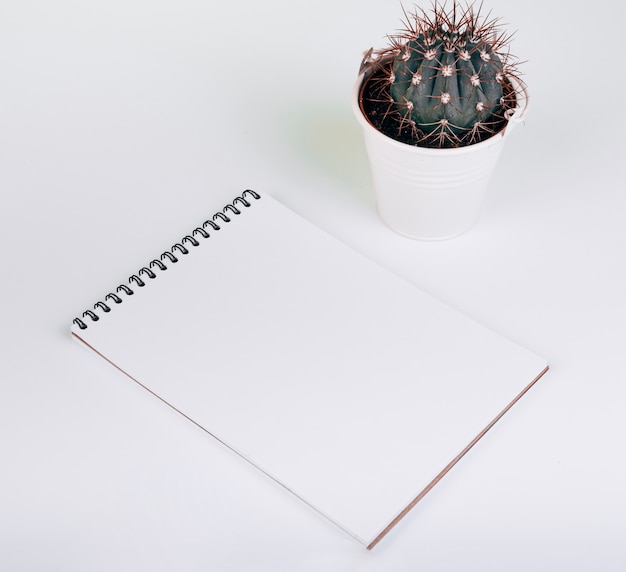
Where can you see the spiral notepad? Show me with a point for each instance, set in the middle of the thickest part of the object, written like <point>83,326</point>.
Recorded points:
<point>344,383</point>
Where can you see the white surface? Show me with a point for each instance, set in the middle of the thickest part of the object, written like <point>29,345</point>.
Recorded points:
<point>120,120</point>
<point>343,382</point>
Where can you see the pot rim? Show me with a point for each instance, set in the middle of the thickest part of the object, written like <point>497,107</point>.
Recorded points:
<point>521,93</point>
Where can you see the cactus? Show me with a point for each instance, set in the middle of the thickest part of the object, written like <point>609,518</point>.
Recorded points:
<point>442,82</point>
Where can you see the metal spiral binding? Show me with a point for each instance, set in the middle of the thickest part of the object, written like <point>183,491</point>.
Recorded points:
<point>139,279</point>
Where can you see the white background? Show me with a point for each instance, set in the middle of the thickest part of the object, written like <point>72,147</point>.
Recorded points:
<point>123,123</point>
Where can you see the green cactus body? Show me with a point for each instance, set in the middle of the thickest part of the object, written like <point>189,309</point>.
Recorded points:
<point>445,82</point>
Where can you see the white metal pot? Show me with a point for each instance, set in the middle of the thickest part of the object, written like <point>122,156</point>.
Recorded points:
<point>432,194</point>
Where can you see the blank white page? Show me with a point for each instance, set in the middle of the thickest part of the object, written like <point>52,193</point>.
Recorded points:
<point>340,380</point>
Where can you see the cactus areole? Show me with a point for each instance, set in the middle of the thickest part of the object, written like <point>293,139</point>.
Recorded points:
<point>442,81</point>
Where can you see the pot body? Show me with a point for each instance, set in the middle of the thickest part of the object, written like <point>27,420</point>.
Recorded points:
<point>431,194</point>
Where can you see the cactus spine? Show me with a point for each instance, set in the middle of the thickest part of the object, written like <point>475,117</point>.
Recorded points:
<point>444,77</point>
